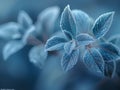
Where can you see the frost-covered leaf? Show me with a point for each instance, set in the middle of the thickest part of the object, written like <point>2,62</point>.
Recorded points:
<point>55,43</point>
<point>109,52</point>
<point>67,21</point>
<point>24,20</point>
<point>58,34</point>
<point>115,40</point>
<point>9,30</point>
<point>69,46</point>
<point>28,33</point>
<point>94,61</point>
<point>83,21</point>
<point>102,24</point>
<point>84,39</point>
<point>102,40</point>
<point>69,60</point>
<point>68,35</point>
<point>109,68</point>
<point>38,56</point>
<point>11,48</point>
<point>46,19</point>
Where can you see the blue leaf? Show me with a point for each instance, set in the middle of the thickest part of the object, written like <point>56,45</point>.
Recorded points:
<point>38,55</point>
<point>58,34</point>
<point>94,61</point>
<point>28,33</point>
<point>68,35</point>
<point>84,39</point>
<point>109,68</point>
<point>46,20</point>
<point>83,21</point>
<point>115,40</point>
<point>24,20</point>
<point>102,24</point>
<point>69,46</point>
<point>9,31</point>
<point>69,60</point>
<point>11,48</point>
<point>109,52</point>
<point>67,21</point>
<point>55,43</point>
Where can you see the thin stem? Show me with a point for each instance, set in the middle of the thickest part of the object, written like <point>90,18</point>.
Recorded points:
<point>114,69</point>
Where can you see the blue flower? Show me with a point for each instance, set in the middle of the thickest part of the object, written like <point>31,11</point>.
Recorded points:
<point>44,28</point>
<point>82,40</point>
<point>16,33</point>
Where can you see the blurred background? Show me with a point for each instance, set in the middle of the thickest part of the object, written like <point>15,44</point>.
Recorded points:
<point>19,74</point>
